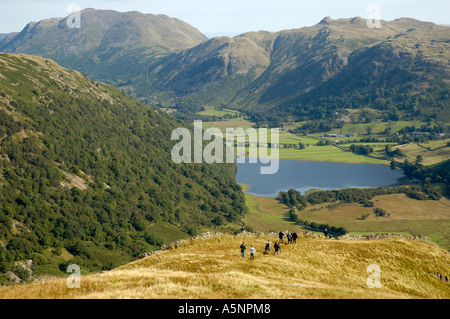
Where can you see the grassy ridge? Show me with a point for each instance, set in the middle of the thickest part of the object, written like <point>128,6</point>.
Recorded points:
<point>311,268</point>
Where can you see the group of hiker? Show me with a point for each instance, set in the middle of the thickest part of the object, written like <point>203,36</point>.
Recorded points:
<point>291,237</point>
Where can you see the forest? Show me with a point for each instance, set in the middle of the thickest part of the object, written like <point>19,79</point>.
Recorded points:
<point>86,170</point>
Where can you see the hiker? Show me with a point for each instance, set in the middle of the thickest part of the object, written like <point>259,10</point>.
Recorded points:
<point>267,250</point>
<point>281,235</point>
<point>243,248</point>
<point>277,247</point>
<point>252,252</point>
<point>289,237</point>
<point>294,237</point>
<point>325,232</point>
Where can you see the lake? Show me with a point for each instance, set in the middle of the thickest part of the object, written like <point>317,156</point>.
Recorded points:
<point>305,175</point>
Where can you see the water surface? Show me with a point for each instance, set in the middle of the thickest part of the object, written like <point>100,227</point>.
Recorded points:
<point>305,175</point>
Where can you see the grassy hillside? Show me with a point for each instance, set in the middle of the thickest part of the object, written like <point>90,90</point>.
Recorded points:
<point>211,72</point>
<point>312,268</point>
<point>267,214</point>
<point>432,153</point>
<point>86,168</point>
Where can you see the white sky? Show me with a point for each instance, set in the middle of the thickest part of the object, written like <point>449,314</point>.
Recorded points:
<point>230,17</point>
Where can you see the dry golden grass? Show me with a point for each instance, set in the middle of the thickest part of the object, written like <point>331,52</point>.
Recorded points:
<point>311,268</point>
<point>398,205</point>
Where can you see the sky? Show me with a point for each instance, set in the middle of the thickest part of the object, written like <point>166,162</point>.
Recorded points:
<point>231,17</point>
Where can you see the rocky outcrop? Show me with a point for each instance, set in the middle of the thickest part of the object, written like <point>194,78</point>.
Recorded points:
<point>13,278</point>
<point>23,271</point>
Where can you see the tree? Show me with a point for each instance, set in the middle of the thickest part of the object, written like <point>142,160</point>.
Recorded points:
<point>293,214</point>
<point>218,221</point>
<point>419,158</point>
<point>364,216</point>
<point>388,131</point>
<point>379,212</point>
<point>393,164</point>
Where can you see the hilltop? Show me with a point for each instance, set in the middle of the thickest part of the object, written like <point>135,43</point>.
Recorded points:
<point>210,266</point>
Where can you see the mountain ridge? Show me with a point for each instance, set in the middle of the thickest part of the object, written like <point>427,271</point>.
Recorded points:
<point>313,267</point>
<point>300,60</point>
<point>264,74</point>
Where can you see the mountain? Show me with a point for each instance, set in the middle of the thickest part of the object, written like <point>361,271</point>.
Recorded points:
<point>211,267</point>
<point>312,71</point>
<point>86,173</point>
<point>401,68</point>
<point>110,46</point>
<point>406,75</point>
<point>6,37</point>
<point>213,71</point>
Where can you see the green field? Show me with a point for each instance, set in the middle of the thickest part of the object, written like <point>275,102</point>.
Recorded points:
<point>432,152</point>
<point>289,146</point>
<point>327,153</point>
<point>266,214</point>
<point>415,217</point>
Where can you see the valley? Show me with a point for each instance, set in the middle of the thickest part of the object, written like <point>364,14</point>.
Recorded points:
<point>88,175</point>
<point>376,135</point>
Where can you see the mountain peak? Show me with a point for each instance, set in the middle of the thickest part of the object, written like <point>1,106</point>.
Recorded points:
<point>326,20</point>
<point>357,20</point>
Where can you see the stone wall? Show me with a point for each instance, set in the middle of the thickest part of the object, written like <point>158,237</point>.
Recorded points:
<point>384,236</point>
